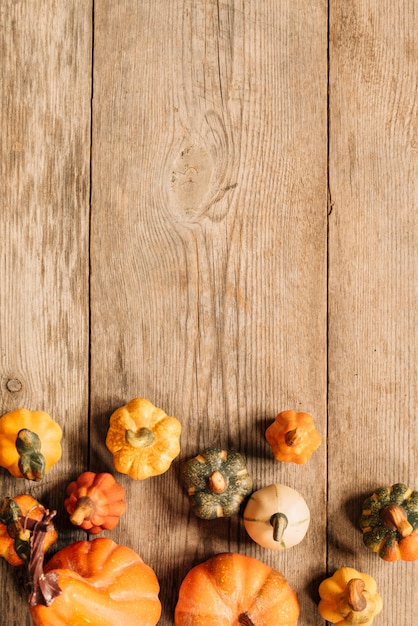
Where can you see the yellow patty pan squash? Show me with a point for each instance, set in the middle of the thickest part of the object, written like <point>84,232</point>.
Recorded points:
<point>30,443</point>
<point>142,439</point>
<point>349,597</point>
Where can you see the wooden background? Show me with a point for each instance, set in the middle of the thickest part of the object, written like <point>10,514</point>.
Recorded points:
<point>213,205</point>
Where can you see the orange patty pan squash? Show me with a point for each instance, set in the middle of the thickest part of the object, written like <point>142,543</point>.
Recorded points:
<point>95,583</point>
<point>293,437</point>
<point>232,589</point>
<point>143,439</point>
<point>30,443</point>
<point>95,502</point>
<point>19,518</point>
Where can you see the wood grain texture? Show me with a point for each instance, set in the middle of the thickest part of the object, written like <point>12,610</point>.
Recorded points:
<point>373,282</point>
<point>45,146</point>
<point>209,254</point>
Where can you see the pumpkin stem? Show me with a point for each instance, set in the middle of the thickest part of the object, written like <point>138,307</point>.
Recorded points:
<point>217,482</point>
<point>245,620</point>
<point>292,437</point>
<point>45,587</point>
<point>84,509</point>
<point>354,594</point>
<point>279,522</point>
<point>394,517</point>
<point>141,438</point>
<point>31,461</point>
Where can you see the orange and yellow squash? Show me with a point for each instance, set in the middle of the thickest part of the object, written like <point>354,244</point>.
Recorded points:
<point>19,518</point>
<point>143,439</point>
<point>30,443</point>
<point>232,589</point>
<point>95,502</point>
<point>97,582</point>
<point>349,597</point>
<point>389,522</point>
<point>293,437</point>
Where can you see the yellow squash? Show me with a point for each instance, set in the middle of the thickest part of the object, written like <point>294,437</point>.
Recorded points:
<point>30,443</point>
<point>143,439</point>
<point>349,597</point>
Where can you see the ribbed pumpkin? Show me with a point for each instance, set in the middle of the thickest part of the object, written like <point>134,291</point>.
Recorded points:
<point>95,502</point>
<point>389,522</point>
<point>232,589</point>
<point>349,597</point>
<point>19,516</point>
<point>217,481</point>
<point>143,439</point>
<point>95,583</point>
<point>293,437</point>
<point>29,443</point>
<point>276,517</point>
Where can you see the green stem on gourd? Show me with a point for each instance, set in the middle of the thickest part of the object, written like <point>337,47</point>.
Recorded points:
<point>279,522</point>
<point>141,438</point>
<point>31,461</point>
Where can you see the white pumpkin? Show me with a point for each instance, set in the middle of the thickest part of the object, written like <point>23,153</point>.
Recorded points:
<point>276,517</point>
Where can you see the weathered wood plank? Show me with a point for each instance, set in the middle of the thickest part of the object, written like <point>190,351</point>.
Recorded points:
<point>45,146</point>
<point>373,295</point>
<point>208,253</point>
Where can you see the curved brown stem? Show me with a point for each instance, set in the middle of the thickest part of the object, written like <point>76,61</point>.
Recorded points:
<point>354,594</point>
<point>84,509</point>
<point>394,517</point>
<point>217,483</point>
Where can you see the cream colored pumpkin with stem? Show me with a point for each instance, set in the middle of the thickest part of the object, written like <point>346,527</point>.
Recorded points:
<point>276,517</point>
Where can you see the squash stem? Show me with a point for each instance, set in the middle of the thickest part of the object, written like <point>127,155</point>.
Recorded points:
<point>394,517</point>
<point>279,522</point>
<point>141,438</point>
<point>217,482</point>
<point>245,620</point>
<point>354,594</point>
<point>84,509</point>
<point>31,461</point>
<point>291,437</point>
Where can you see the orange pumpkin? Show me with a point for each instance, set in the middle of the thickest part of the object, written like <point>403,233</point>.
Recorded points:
<point>95,502</point>
<point>293,437</point>
<point>18,518</point>
<point>99,583</point>
<point>232,589</point>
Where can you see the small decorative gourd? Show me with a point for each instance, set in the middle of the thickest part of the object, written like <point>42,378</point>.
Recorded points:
<point>349,597</point>
<point>95,502</point>
<point>293,437</point>
<point>217,482</point>
<point>232,589</point>
<point>389,522</point>
<point>29,443</point>
<point>19,518</point>
<point>276,517</point>
<point>143,439</point>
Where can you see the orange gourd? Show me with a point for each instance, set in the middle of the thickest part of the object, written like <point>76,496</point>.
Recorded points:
<point>99,583</point>
<point>95,502</point>
<point>19,516</point>
<point>349,597</point>
<point>232,589</point>
<point>30,443</point>
<point>293,437</point>
<point>143,439</point>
